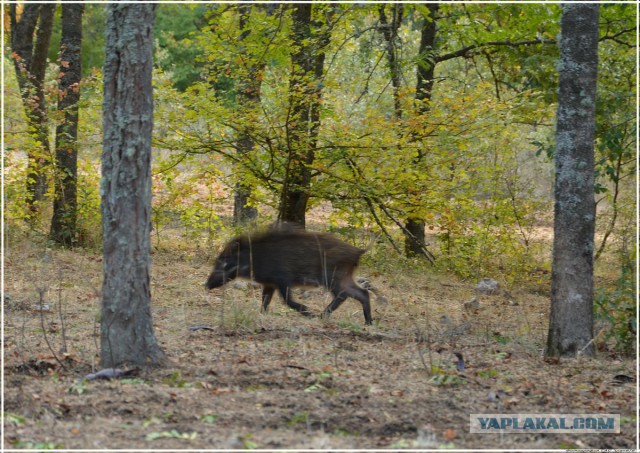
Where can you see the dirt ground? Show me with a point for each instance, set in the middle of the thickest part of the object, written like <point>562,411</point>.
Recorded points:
<point>282,381</point>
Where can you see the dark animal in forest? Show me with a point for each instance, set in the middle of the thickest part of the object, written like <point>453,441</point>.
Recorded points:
<point>286,256</point>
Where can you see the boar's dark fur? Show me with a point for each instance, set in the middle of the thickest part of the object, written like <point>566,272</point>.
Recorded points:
<point>284,257</point>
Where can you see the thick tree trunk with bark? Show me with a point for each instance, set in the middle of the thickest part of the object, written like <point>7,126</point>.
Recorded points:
<point>63,223</point>
<point>126,327</point>
<point>571,320</point>
<point>307,58</point>
<point>30,37</point>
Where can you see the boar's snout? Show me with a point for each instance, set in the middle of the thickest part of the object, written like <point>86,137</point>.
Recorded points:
<point>214,281</point>
<point>221,274</point>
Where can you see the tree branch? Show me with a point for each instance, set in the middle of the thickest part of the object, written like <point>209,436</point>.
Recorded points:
<point>469,51</point>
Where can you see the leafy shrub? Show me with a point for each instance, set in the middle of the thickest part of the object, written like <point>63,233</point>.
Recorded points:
<point>616,308</point>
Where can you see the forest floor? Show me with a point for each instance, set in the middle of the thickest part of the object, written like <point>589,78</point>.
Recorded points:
<point>282,381</point>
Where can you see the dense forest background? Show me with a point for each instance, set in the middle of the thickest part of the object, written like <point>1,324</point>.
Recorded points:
<point>404,119</point>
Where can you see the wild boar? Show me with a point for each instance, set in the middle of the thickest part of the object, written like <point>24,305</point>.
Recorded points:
<point>285,257</point>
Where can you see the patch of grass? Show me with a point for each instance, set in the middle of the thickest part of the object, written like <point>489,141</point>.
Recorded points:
<point>446,380</point>
<point>14,418</point>
<point>354,327</point>
<point>209,418</point>
<point>173,434</point>
<point>248,443</point>
<point>133,381</point>
<point>402,443</point>
<point>150,421</point>
<point>175,380</point>
<point>485,374</point>
<point>568,446</point>
<point>343,432</point>
<point>320,377</point>
<point>238,318</point>
<point>38,445</point>
<point>300,417</point>
<point>501,339</point>
<point>79,387</point>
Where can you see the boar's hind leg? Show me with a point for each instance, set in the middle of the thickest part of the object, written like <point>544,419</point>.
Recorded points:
<point>286,295</point>
<point>267,294</point>
<point>363,296</point>
<point>350,290</point>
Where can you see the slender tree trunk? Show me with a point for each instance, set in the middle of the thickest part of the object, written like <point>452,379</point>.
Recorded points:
<point>63,223</point>
<point>389,29</point>
<point>30,45</point>
<point>248,99</point>
<point>571,320</point>
<point>310,40</point>
<point>126,327</point>
<point>414,242</point>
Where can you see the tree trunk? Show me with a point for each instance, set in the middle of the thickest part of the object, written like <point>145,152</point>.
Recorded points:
<point>30,45</point>
<point>389,30</point>
<point>571,320</point>
<point>126,327</point>
<point>248,98</point>
<point>414,242</point>
<point>63,223</point>
<point>307,57</point>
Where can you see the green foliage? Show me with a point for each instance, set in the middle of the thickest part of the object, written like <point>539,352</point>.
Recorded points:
<point>440,164</point>
<point>19,143</point>
<point>176,52</point>
<point>89,215</point>
<point>616,307</point>
<point>93,40</point>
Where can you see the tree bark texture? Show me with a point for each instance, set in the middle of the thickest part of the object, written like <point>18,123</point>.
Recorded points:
<point>126,328</point>
<point>571,320</point>
<point>63,223</point>
<point>307,57</point>
<point>30,37</point>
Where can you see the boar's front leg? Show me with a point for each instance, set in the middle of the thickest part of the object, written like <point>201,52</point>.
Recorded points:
<point>267,294</point>
<point>286,295</point>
